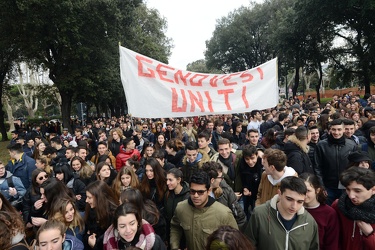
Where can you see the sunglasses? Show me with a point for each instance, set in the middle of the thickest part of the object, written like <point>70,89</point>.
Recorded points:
<point>43,177</point>
<point>145,127</point>
<point>200,192</point>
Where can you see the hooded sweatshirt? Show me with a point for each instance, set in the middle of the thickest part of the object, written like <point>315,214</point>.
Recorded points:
<point>268,186</point>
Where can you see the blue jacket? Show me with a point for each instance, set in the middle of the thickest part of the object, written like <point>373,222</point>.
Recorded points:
<point>22,169</point>
<point>4,187</point>
<point>72,243</point>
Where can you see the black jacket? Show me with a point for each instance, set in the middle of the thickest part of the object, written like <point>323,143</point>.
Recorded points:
<point>331,157</point>
<point>298,157</point>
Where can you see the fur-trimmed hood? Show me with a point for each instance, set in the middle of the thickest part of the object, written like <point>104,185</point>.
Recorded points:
<point>204,158</point>
<point>295,144</point>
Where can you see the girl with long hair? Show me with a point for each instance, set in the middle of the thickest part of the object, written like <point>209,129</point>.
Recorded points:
<point>105,173</point>
<point>101,202</point>
<point>66,212</point>
<point>125,179</point>
<point>148,209</point>
<point>324,215</point>
<point>153,185</point>
<point>34,205</point>
<point>12,233</point>
<point>129,229</point>
<point>65,175</point>
<point>229,238</point>
<point>39,149</point>
<point>81,169</point>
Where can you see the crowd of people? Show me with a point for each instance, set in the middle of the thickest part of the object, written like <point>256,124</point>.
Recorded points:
<point>297,176</point>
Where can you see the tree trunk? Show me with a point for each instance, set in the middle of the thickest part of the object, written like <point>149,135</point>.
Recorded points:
<point>97,110</point>
<point>317,87</point>
<point>66,105</point>
<point>296,77</point>
<point>2,123</point>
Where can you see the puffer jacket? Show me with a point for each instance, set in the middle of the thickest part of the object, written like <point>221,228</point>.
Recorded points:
<point>123,156</point>
<point>331,157</point>
<point>298,157</point>
<point>267,232</point>
<point>72,243</point>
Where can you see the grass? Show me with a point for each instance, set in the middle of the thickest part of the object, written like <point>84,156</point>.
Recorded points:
<point>4,154</point>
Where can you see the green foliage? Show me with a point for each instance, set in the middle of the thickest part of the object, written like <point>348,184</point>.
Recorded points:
<point>201,67</point>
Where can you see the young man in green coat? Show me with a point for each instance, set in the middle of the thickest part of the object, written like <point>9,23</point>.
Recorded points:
<point>282,222</point>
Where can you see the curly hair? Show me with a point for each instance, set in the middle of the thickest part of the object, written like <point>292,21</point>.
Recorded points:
<point>10,224</point>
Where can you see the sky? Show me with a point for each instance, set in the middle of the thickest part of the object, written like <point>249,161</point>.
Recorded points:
<point>191,23</point>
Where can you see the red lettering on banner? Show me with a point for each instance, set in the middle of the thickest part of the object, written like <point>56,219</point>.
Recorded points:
<point>194,99</point>
<point>150,73</point>
<point>244,97</point>
<point>226,92</point>
<point>260,71</point>
<point>175,107</point>
<point>163,73</point>
<point>199,83</point>
<point>247,76</point>
<point>226,79</point>
<point>209,101</point>
<point>179,75</point>
<point>213,81</point>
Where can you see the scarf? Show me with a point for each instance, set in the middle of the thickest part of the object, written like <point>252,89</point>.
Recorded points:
<point>364,212</point>
<point>146,238</point>
<point>340,141</point>
<point>229,163</point>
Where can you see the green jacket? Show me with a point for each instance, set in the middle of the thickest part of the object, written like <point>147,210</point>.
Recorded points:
<point>235,184</point>
<point>266,231</point>
<point>198,224</point>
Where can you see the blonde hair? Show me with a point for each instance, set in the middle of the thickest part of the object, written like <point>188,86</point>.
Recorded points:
<point>45,160</point>
<point>58,213</point>
<point>117,184</point>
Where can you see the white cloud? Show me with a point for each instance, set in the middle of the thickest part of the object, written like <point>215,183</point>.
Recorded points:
<point>191,23</point>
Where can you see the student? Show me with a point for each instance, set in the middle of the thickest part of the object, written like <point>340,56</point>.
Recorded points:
<point>125,179</point>
<point>51,235</point>
<point>65,211</point>
<point>356,210</point>
<point>12,232</point>
<point>204,139</point>
<point>101,202</point>
<point>274,161</point>
<point>324,215</point>
<point>198,215</point>
<point>129,229</point>
<point>282,222</point>
<point>250,167</point>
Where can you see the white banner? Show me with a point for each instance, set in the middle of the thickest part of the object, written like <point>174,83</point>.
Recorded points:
<point>155,90</point>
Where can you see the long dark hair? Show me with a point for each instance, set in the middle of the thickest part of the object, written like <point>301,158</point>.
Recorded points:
<point>315,183</point>
<point>64,169</point>
<point>159,177</point>
<point>125,209</point>
<point>229,238</point>
<point>55,190</point>
<point>108,202</point>
<point>149,210</point>
<point>34,185</point>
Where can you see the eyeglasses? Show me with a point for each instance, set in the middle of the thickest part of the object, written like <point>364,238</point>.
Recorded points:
<point>150,144</point>
<point>200,192</point>
<point>145,127</point>
<point>43,177</point>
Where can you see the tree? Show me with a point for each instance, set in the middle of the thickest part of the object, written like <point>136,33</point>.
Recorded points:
<point>240,40</point>
<point>201,67</point>
<point>9,52</point>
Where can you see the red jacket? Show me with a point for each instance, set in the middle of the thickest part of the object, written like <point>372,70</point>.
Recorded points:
<point>123,156</point>
<point>350,237</point>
